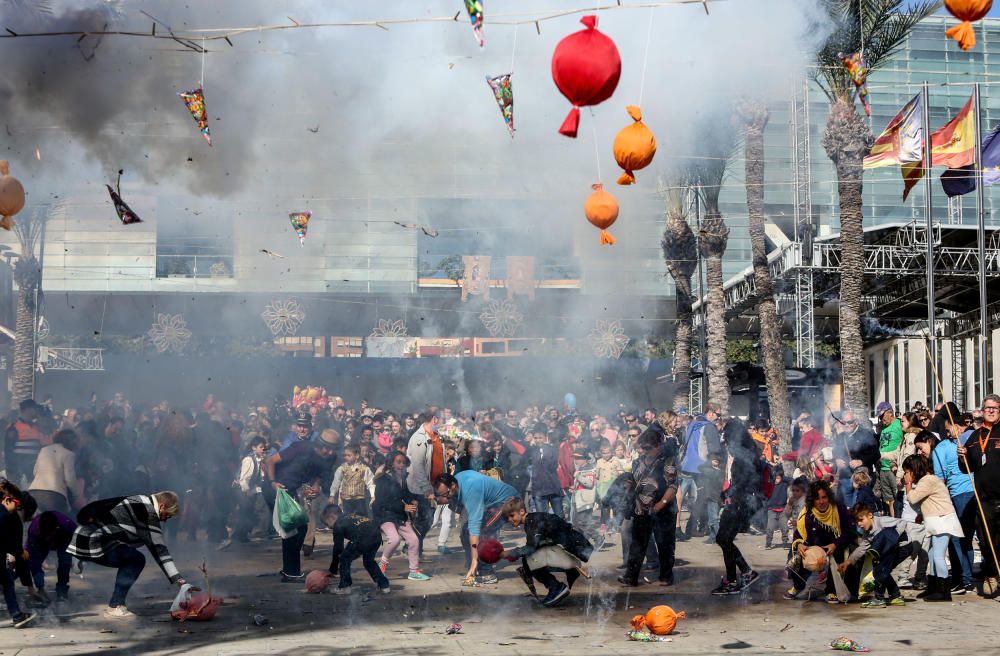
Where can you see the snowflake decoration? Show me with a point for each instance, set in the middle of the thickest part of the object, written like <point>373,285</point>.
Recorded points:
<point>169,333</point>
<point>501,318</point>
<point>42,331</point>
<point>388,339</point>
<point>608,339</point>
<point>283,316</point>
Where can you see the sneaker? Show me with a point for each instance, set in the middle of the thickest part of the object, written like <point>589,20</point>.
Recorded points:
<point>346,591</point>
<point>627,582</point>
<point>292,578</point>
<point>385,590</point>
<point>118,612</point>
<point>383,565</point>
<point>709,540</point>
<point>443,550</point>
<point>790,594</point>
<point>832,599</point>
<point>895,601</point>
<point>488,579</point>
<point>556,595</point>
<point>919,584</point>
<point>959,589</point>
<point>417,575</point>
<point>727,588</point>
<point>22,620</point>
<point>904,583</point>
<point>874,602</point>
<point>750,578</point>
<point>225,544</point>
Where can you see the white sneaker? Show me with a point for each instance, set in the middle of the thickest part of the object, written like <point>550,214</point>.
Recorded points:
<point>343,591</point>
<point>119,612</point>
<point>384,590</point>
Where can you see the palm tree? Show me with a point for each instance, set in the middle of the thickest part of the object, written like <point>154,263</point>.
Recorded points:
<point>713,237</point>
<point>680,252</point>
<point>28,275</point>
<point>754,115</point>
<point>877,29</point>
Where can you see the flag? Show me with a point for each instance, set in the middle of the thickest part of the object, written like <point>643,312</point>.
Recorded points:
<point>954,145</point>
<point>902,144</point>
<point>960,181</point>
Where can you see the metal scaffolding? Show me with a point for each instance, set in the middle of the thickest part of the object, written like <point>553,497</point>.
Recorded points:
<point>805,320</point>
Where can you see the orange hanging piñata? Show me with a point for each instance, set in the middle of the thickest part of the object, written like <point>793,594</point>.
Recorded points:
<point>601,209</point>
<point>660,620</point>
<point>966,11</point>
<point>634,146</point>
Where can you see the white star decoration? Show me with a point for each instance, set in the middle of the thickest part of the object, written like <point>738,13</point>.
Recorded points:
<point>388,339</point>
<point>283,316</point>
<point>169,333</point>
<point>501,318</point>
<point>608,339</point>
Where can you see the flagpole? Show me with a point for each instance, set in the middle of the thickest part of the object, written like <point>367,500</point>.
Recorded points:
<point>928,213</point>
<point>981,242</point>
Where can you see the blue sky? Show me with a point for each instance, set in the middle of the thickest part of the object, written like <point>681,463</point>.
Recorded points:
<point>993,12</point>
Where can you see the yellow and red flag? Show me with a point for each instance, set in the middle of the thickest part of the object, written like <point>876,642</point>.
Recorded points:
<point>954,145</point>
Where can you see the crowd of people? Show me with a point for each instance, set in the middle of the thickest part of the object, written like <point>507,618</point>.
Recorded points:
<point>900,503</point>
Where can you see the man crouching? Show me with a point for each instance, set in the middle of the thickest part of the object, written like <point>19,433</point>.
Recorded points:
<point>553,545</point>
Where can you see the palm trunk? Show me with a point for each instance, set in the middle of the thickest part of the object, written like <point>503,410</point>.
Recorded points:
<point>682,349</point>
<point>680,251</point>
<point>24,333</point>
<point>846,141</point>
<point>714,237</point>
<point>755,117</point>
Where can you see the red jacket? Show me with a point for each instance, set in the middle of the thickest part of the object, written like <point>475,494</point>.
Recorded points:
<point>567,466</point>
<point>812,442</point>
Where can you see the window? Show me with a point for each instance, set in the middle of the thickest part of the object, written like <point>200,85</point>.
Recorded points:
<point>194,247</point>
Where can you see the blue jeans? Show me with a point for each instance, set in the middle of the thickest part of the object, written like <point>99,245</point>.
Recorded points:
<point>939,547</point>
<point>962,547</point>
<point>555,501</point>
<point>348,556</point>
<point>713,519</point>
<point>130,563</point>
<point>9,594</point>
<point>62,572</point>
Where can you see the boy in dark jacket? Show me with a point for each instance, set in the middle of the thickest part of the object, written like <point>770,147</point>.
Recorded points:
<point>363,540</point>
<point>50,531</point>
<point>775,510</point>
<point>12,543</point>
<point>543,459</point>
<point>553,545</point>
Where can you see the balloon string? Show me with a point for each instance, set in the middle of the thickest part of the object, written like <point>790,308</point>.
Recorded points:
<point>203,51</point>
<point>645,56</point>
<point>513,50</point>
<point>597,152</point>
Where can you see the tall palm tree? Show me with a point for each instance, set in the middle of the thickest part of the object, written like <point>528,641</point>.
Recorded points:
<point>753,115</point>
<point>28,276</point>
<point>713,237</point>
<point>680,252</point>
<point>877,29</point>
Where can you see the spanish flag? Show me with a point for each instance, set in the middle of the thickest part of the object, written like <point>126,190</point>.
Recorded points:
<point>902,143</point>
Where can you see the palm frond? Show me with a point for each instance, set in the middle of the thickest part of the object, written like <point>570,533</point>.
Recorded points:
<point>877,28</point>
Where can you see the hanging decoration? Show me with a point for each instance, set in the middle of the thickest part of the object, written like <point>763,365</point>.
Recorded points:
<point>283,316</point>
<point>125,213</point>
<point>194,100</point>
<point>966,11</point>
<point>608,339</point>
<point>501,318</point>
<point>855,65</point>
<point>504,94</point>
<point>169,333</point>
<point>475,9</point>
<point>300,224</point>
<point>11,196</point>
<point>42,331</point>
<point>387,340</point>
<point>585,67</point>
<point>601,209</point>
<point>634,146</point>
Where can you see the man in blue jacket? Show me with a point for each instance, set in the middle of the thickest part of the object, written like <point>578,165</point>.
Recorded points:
<point>701,439</point>
<point>482,497</point>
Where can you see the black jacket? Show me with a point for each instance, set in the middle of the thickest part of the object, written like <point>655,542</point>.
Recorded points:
<point>390,497</point>
<point>546,529</point>
<point>12,543</point>
<point>860,445</point>
<point>987,479</point>
<point>360,531</point>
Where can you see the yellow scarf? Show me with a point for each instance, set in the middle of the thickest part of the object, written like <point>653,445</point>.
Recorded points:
<point>829,519</point>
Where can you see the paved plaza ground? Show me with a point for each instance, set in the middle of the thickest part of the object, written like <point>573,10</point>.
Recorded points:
<point>497,620</point>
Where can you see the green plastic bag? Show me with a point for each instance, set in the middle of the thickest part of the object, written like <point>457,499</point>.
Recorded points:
<point>289,512</point>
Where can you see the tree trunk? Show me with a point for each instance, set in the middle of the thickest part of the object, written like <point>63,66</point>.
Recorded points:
<point>714,237</point>
<point>755,117</point>
<point>680,251</point>
<point>24,331</point>
<point>846,141</point>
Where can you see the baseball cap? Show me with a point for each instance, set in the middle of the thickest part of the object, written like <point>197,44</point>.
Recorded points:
<point>883,408</point>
